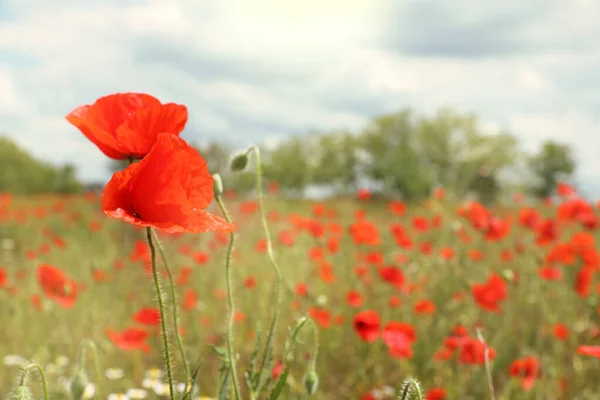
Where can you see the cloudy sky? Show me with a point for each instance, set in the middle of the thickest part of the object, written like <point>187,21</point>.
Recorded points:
<point>255,74</point>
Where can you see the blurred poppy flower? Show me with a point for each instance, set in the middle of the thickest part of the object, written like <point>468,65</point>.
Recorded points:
<point>526,369</point>
<point>56,285</point>
<point>167,190</point>
<point>436,394</point>
<point>399,337</point>
<point>149,316</point>
<point>129,339</point>
<point>366,325</point>
<point>593,351</point>
<point>489,294</point>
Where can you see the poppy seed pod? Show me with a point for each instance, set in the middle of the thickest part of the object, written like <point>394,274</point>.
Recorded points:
<point>21,393</point>
<point>311,381</point>
<point>239,162</point>
<point>78,385</point>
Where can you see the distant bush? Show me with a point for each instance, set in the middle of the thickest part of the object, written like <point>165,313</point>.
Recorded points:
<point>21,173</point>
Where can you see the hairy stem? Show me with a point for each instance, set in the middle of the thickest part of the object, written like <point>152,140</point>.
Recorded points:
<point>230,353</point>
<point>274,265</point>
<point>161,308</point>
<point>42,375</point>
<point>82,353</point>
<point>186,367</point>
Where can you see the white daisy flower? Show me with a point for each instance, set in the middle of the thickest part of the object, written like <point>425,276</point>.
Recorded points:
<point>53,369</point>
<point>161,389</point>
<point>90,391</point>
<point>8,244</point>
<point>148,383</point>
<point>322,300</point>
<point>388,391</point>
<point>14,360</point>
<point>180,387</point>
<point>377,393</point>
<point>62,361</point>
<point>113,374</point>
<point>137,394</point>
<point>118,396</point>
<point>154,373</point>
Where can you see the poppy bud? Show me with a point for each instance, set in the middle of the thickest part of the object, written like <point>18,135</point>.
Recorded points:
<point>239,162</point>
<point>410,389</point>
<point>217,185</point>
<point>311,381</point>
<point>78,385</point>
<point>21,393</point>
<point>509,275</point>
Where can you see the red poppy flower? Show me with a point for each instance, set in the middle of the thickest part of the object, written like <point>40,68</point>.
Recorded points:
<point>126,125</point>
<point>550,273</point>
<point>436,394</point>
<point>354,298</point>
<point>526,369</point>
<point>3,278</point>
<point>129,339</point>
<point>392,275</point>
<point>57,286</point>
<point>472,351</point>
<point>301,289</point>
<point>364,232</point>
<point>490,293</point>
<point>190,299</point>
<point>399,337</point>
<point>321,316</point>
<point>424,307</point>
<point>366,325</point>
<point>149,316</point>
<point>593,351</point>
<point>168,190</point>
<point>561,332</point>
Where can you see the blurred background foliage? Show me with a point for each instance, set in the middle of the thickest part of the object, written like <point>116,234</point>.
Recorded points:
<point>21,173</point>
<point>396,155</point>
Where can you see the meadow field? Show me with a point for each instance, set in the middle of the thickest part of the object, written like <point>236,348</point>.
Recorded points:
<point>429,290</point>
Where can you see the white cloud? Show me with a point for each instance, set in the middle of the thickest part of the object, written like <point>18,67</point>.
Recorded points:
<point>250,74</point>
<point>573,127</point>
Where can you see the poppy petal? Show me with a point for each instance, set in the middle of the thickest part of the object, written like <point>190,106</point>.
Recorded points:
<point>139,133</point>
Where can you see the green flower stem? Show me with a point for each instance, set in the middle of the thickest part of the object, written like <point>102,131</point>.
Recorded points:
<point>42,375</point>
<point>274,265</point>
<point>82,353</point>
<point>188,379</point>
<point>161,307</point>
<point>315,329</point>
<point>230,353</point>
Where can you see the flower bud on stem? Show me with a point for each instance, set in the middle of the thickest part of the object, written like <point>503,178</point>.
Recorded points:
<point>21,391</point>
<point>230,352</point>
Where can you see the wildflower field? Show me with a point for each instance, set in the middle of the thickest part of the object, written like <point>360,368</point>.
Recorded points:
<point>395,291</point>
<point>291,299</point>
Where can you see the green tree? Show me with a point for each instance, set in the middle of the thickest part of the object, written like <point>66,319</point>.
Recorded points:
<point>391,155</point>
<point>66,180</point>
<point>217,156</point>
<point>551,164</point>
<point>22,173</point>
<point>336,160</point>
<point>462,157</point>
<point>289,165</point>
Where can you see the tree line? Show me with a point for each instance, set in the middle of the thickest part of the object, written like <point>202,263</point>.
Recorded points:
<point>401,154</point>
<point>21,173</point>
<point>407,155</point>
